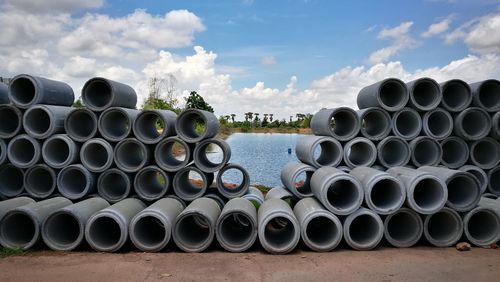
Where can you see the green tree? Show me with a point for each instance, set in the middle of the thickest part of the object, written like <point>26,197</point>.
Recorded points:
<point>161,94</point>
<point>196,101</point>
<point>78,103</point>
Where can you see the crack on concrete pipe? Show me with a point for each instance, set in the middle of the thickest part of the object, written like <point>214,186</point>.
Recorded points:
<point>59,151</point>
<point>236,227</point>
<point>403,228</point>
<point>296,177</point>
<point>12,121</point>
<point>486,94</point>
<point>340,123</point>
<point>11,181</point>
<point>151,126</point>
<point>375,123</point>
<point>319,151</point>
<point>391,94</point>
<point>75,182</point>
<point>443,228</point>
<point>114,185</point>
<point>425,151</point>
<point>212,146</point>
<point>43,121</point>
<point>169,157</point>
<point>437,124</point>
<point>190,121</point>
<point>40,181</point>
<point>455,152</point>
<point>472,124</point>
<point>406,123</point>
<point>494,180</point>
<point>97,155</point>
<point>425,94</point>
<point>233,190</point>
<point>482,226</point>
<point>81,125</point>
<point>189,186</point>
<point>393,151</point>
<point>24,151</point>
<point>363,230</point>
<point>99,93</point>
<point>151,183</point>
<point>131,155</point>
<point>360,151</point>
<point>485,153</point>
<point>115,124</point>
<point>457,95</point>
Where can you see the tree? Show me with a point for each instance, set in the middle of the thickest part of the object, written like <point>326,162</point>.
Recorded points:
<point>162,94</point>
<point>232,117</point>
<point>256,117</point>
<point>271,117</point>
<point>196,101</point>
<point>78,103</point>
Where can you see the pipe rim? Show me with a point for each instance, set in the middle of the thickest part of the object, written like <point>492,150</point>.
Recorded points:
<point>402,145</point>
<point>10,132</point>
<point>72,151</point>
<point>240,190</point>
<point>154,247</point>
<point>494,185</point>
<point>428,122</point>
<point>381,114</point>
<point>462,118</point>
<point>359,245</point>
<point>8,192</point>
<point>298,169</point>
<point>204,242</point>
<point>35,132</point>
<point>29,185</point>
<point>85,95</point>
<point>72,122</point>
<point>112,113</point>
<point>402,103</point>
<point>200,155</point>
<point>246,243</point>
<point>445,92</point>
<point>55,244</point>
<point>464,205</point>
<point>419,145</point>
<point>35,154</point>
<point>493,148</point>
<point>164,148</point>
<point>179,188</point>
<point>436,93</point>
<point>13,95</point>
<point>354,126</point>
<point>288,246</point>
<point>404,243</point>
<point>103,145</point>
<point>434,207</point>
<point>140,133</point>
<point>119,153</point>
<point>445,158</point>
<point>350,207</point>
<point>326,144</point>
<point>452,238</point>
<point>71,194</point>
<point>144,190</point>
<point>193,136</point>
<point>116,220</point>
<point>334,241</point>
<point>410,113</point>
<point>3,151</point>
<point>394,206</point>
<point>26,244</point>
<point>103,191</point>
<point>482,241</point>
<point>367,145</point>
<point>480,92</point>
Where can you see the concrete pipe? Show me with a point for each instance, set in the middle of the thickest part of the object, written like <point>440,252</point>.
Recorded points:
<point>97,155</point>
<point>20,227</point>
<point>406,123</point>
<point>360,151</point>
<point>99,93</point>
<point>220,151</point>
<point>378,167</point>
<point>12,121</point>
<point>131,155</point>
<point>107,230</point>
<point>384,194</point>
<point>296,177</point>
<point>480,175</point>
<point>341,123</point>
<point>443,228</point>
<point>59,151</point>
<point>7,205</point>
<point>150,230</point>
<point>4,94</point>
<point>363,229</point>
<point>375,123</point>
<point>393,151</point>
<point>3,151</point>
<point>43,121</point>
<point>472,124</point>
<point>279,229</point>
<point>214,194</point>
<point>194,227</point>
<point>425,94</point>
<point>390,94</point>
<point>114,185</point>
<point>26,91</point>
<point>24,151</point>
<point>75,182</point>
<point>464,190</point>
<point>255,196</point>
<point>425,151</point>
<point>482,224</point>
<point>151,126</point>
<point>236,228</point>
<point>151,183</point>
<point>11,181</point>
<point>457,95</point>
<point>344,168</point>
<point>320,230</point>
<point>236,173</point>
<point>485,153</point>
<point>282,194</point>
<point>190,183</point>
<point>339,192</point>
<point>115,124</point>
<point>403,228</point>
<point>195,125</point>
<point>319,151</point>
<point>455,152</point>
<point>81,124</point>
<point>494,181</point>
<point>63,230</point>
<point>495,126</point>
<point>40,181</point>
<point>437,124</point>
<point>425,192</point>
<point>489,196</point>
<point>172,154</point>
<point>486,94</point>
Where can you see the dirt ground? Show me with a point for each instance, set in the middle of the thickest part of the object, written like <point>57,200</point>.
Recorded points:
<point>383,264</point>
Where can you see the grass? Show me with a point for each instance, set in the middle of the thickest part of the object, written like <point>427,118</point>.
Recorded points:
<point>5,252</point>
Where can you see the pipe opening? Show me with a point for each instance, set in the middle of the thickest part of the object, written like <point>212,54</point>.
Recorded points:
<point>39,180</point>
<point>303,182</point>
<point>426,93</point>
<point>81,124</point>
<point>462,190</point>
<point>408,123</point>
<point>343,194</point>
<point>454,152</point>
<point>343,122</point>
<point>115,124</point>
<point>485,152</point>
<point>11,180</point>
<point>211,155</point>
<point>392,94</point>
<point>172,153</point>
<point>386,194</point>
<point>483,226</point>
<point>192,125</point>
<point>193,230</point>
<point>494,178</point>
<point>326,152</point>
<point>360,153</point>
<point>375,123</point>
<point>474,123</point>
<point>22,151</point>
<point>394,152</point>
<point>23,90</point>
<point>10,121</point>
<point>150,231</point>
<point>236,229</point>
<point>95,155</point>
<point>56,151</point>
<point>190,181</point>
<point>114,185</point>
<point>426,152</point>
<point>489,94</point>
<point>439,123</point>
<point>232,179</point>
<point>443,226</point>
<point>73,181</point>
<point>62,228</point>
<point>403,227</point>
<point>279,232</point>
<point>321,230</point>
<point>479,176</point>
<point>363,229</point>
<point>456,95</point>
<point>151,182</point>
<point>428,194</point>
<point>149,126</point>
<point>18,229</point>
<point>37,120</point>
<point>97,93</point>
<point>131,154</point>
<point>104,232</point>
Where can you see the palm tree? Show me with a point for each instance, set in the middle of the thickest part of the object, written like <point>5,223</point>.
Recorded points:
<point>250,115</point>
<point>232,117</point>
<point>291,118</point>
<point>256,116</point>
<point>271,117</point>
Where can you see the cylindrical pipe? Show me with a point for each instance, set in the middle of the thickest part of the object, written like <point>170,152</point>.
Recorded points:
<point>384,194</point>
<point>363,229</point>
<point>486,94</point>
<point>7,205</point>
<point>406,123</point>
<point>63,229</point>
<point>12,121</point>
<point>393,151</point>
<point>214,194</point>
<point>131,155</point>
<point>210,146</point>
<point>425,94</point>
<point>375,123</point>
<point>403,228</point>
<point>42,121</point>
<point>26,90</point>
<point>296,177</point>
<point>233,190</point>
<point>24,151</point>
<point>340,123</point>
<point>495,126</point>
<point>339,192</point>
<point>425,192</point>
<point>190,183</point>
<point>3,151</point>
<point>360,151</point>
<point>189,122</point>
<point>20,227</point>
<point>11,181</point>
<point>255,196</point>
<point>425,151</point>
<point>344,168</point>
<point>457,95</point>
<point>437,124</point>
<point>194,227</point>
<point>319,151</point>
<point>81,124</point>
<point>391,94</point>
<point>236,228</point>
<point>482,224</point>
<point>279,229</point>
<point>485,153</point>
<point>4,94</point>
<point>494,181</point>
<point>472,124</point>
<point>151,126</point>
<point>97,155</point>
<point>455,152</point>
<point>150,230</point>
<point>443,228</point>
<point>75,182</point>
<point>172,154</point>
<point>281,193</point>
<point>151,183</point>
<point>99,93</point>
<point>479,174</point>
<point>40,181</point>
<point>320,230</point>
<point>114,185</point>
<point>59,151</point>
<point>115,124</point>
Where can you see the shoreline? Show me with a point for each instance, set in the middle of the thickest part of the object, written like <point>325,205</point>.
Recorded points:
<point>225,132</point>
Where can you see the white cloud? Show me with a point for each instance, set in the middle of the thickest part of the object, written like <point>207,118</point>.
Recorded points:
<point>53,6</point>
<point>438,28</point>
<point>268,60</point>
<point>481,35</point>
<point>400,38</point>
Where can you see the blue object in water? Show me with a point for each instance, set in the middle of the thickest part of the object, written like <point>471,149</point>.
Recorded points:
<point>289,151</point>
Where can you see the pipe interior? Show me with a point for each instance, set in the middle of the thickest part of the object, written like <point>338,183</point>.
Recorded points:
<point>96,155</point>
<point>98,93</point>
<point>23,90</point>
<point>456,95</point>
<point>439,123</point>
<point>494,178</point>
<point>343,194</point>
<point>302,182</point>
<point>63,228</point>
<point>427,152</point>
<point>279,232</point>
<point>386,194</point>
<point>191,182</point>
<point>428,193</point>
<point>426,93</point>
<point>81,124</point>
<point>483,226</point>
<point>343,122</point>
<point>57,151</point>
<point>363,229</point>
<point>192,125</point>
<point>462,190</point>
<point>232,179</point>
<point>486,152</point>
<point>479,176</point>
<point>10,121</point>
<point>18,229</point>
<point>236,229</point>
<point>114,185</point>
<point>104,232</point>
<point>151,182</point>
<point>403,227</point>
<point>489,94</point>
<point>474,123</point>
<point>172,153</point>
<point>131,154</point>
<point>22,151</point>
<point>443,226</point>
<point>11,180</point>
<point>322,231</point>
<point>326,152</point>
<point>73,181</point>
<point>40,180</point>
<point>407,123</point>
<point>453,151</point>
<point>392,94</point>
<point>37,120</point>
<point>193,230</point>
<point>211,155</point>
<point>115,123</point>
<point>150,231</point>
<point>149,125</point>
<point>375,123</point>
<point>394,152</point>
<point>360,153</point>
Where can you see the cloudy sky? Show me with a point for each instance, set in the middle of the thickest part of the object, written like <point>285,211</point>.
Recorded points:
<point>282,56</point>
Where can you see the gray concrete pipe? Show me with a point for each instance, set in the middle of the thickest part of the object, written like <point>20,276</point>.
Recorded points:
<point>363,229</point>
<point>455,152</point>
<point>443,228</point>
<point>340,123</point>
<point>393,151</point>
<point>406,123</point>
<point>360,151</point>
<point>425,192</point>
<point>482,224</point>
<point>214,194</point>
<point>194,227</point>
<point>75,182</point>
<point>391,94</point>
<point>490,196</point>
<point>236,228</point>
<point>99,93</point>
<point>344,168</point>
<point>472,124</point>
<point>205,148</point>
<point>59,151</point>
<point>319,151</point>
<point>151,183</point>
<point>494,181</point>
<point>233,190</point>
<point>20,227</point>
<point>115,124</point>
<point>4,94</point>
<point>43,121</point>
<point>486,94</point>
<point>255,196</point>
<point>375,123</point>
<point>26,90</point>
<point>187,189</point>
<point>11,181</point>
<point>7,205</point>
<point>64,229</point>
<point>495,126</point>
<point>279,229</point>
<point>3,151</point>
<point>114,185</point>
<point>296,177</point>
<point>107,230</point>
<point>320,230</point>
<point>189,119</point>
<point>24,151</point>
<point>384,194</point>
<point>131,155</point>
<point>403,228</point>
<point>12,121</point>
<point>282,194</point>
<point>40,181</point>
<point>81,124</point>
<point>339,192</point>
<point>425,94</point>
<point>150,230</point>
<point>480,175</point>
<point>145,125</point>
<point>484,153</point>
<point>425,151</point>
<point>437,124</point>
<point>97,155</point>
<point>457,95</point>
<point>168,158</point>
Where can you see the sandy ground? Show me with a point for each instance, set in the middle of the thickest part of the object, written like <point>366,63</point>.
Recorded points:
<point>384,264</point>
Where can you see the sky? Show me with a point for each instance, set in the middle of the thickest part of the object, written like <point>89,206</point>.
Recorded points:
<point>282,56</point>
